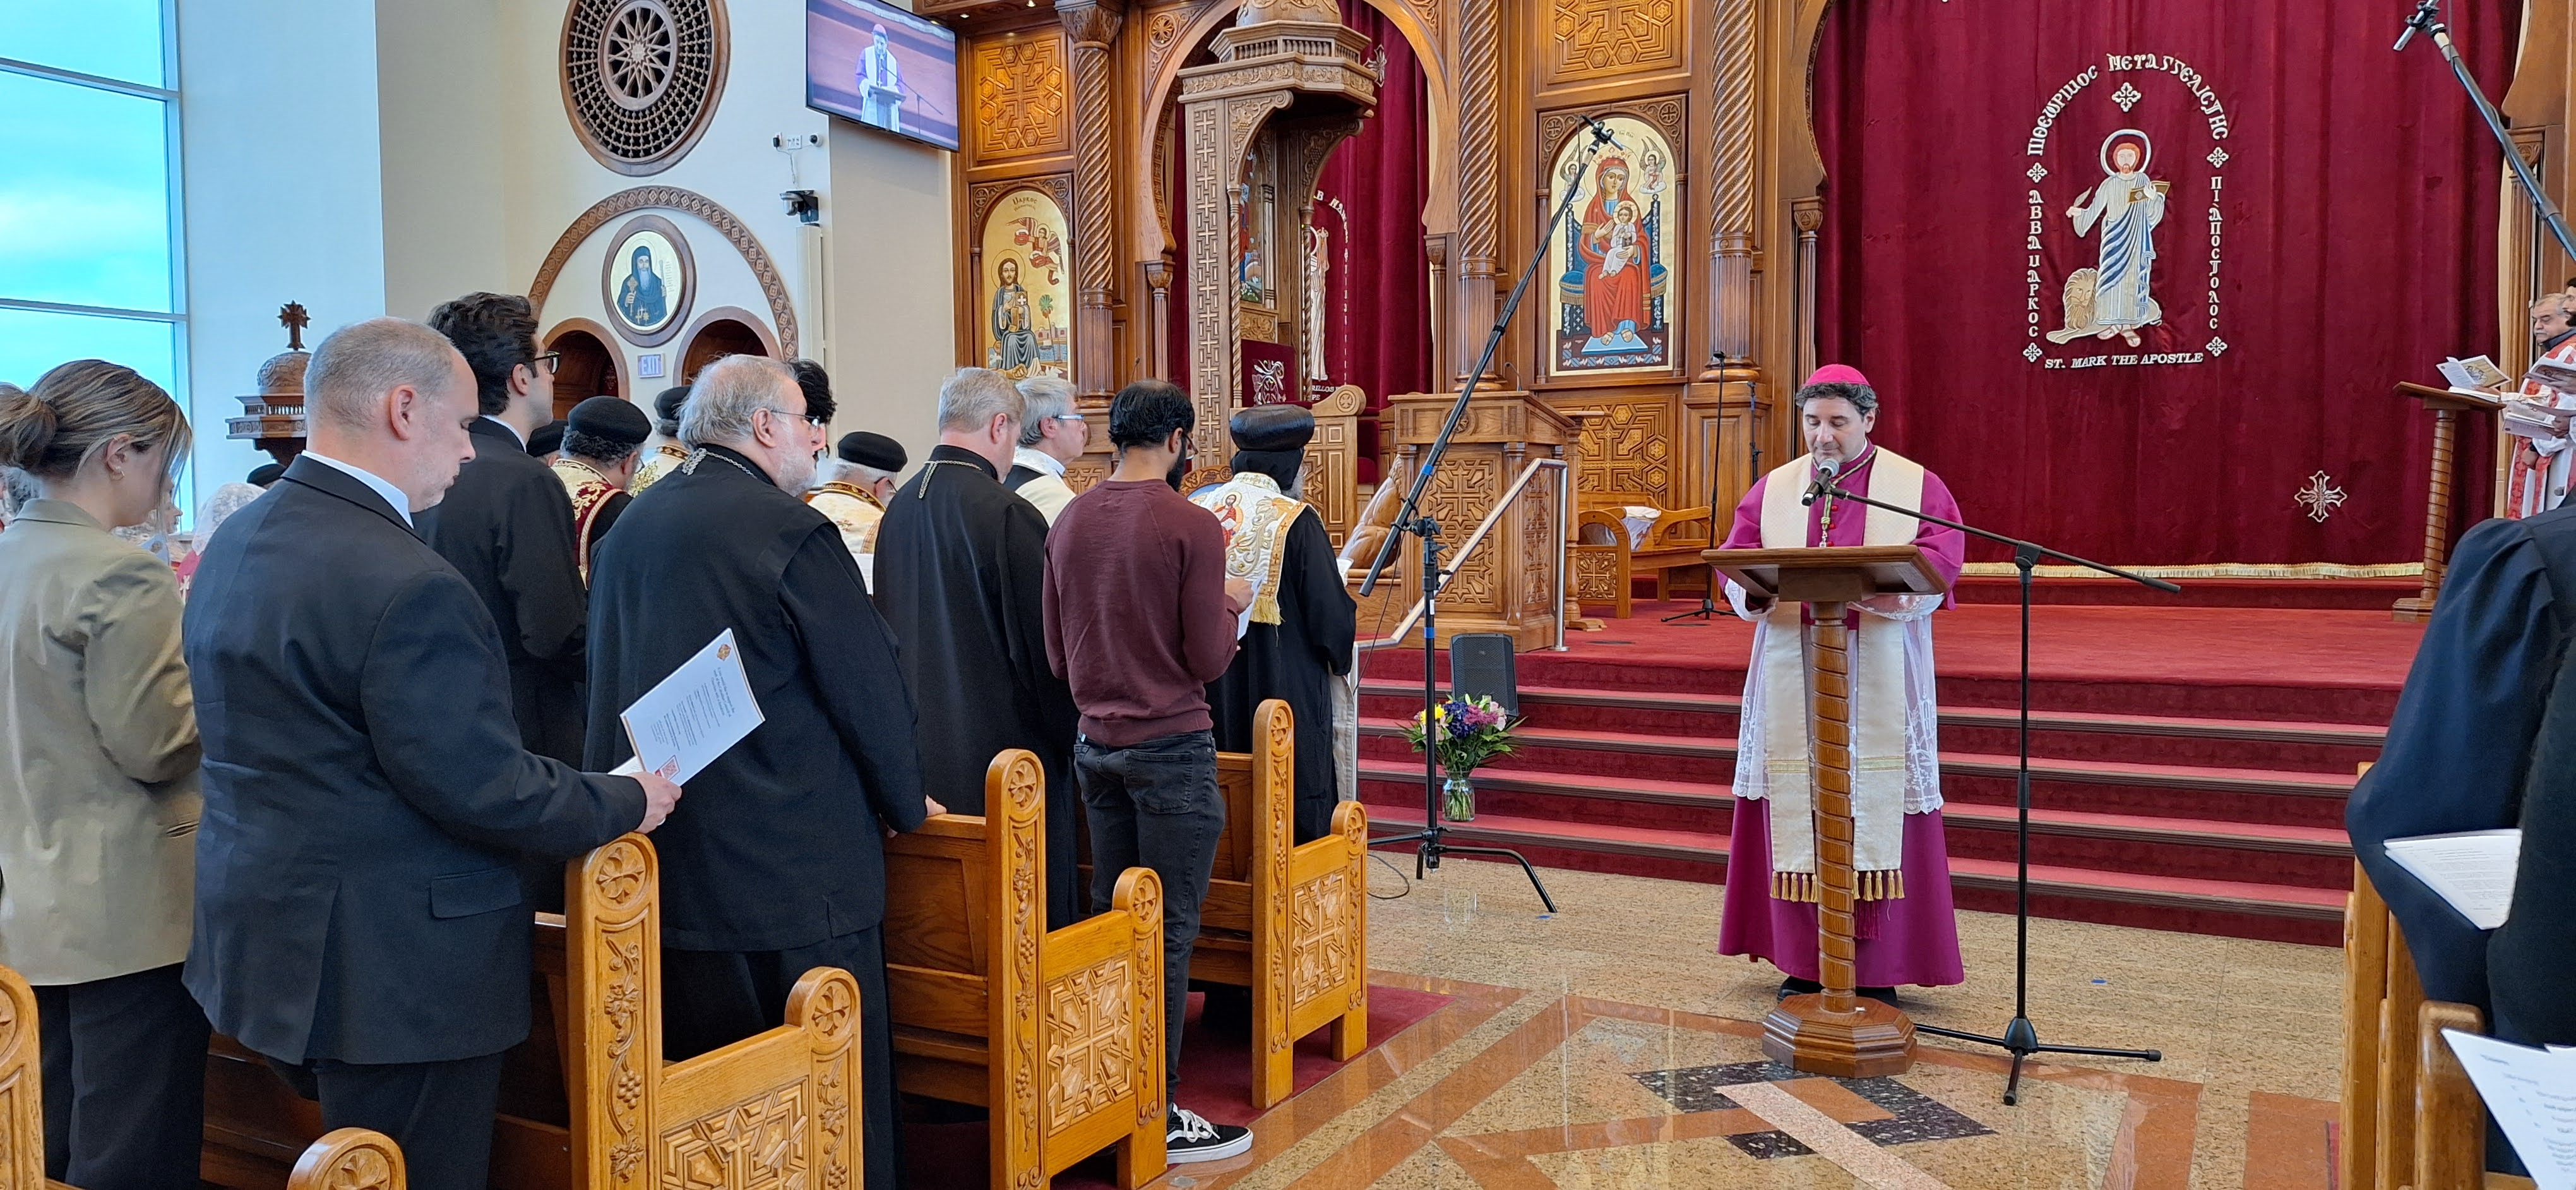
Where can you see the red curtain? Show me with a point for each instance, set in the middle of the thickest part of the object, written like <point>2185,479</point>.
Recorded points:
<point>2331,207</point>
<point>1369,203</point>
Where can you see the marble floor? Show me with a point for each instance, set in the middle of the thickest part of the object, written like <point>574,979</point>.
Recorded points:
<point>1608,1046</point>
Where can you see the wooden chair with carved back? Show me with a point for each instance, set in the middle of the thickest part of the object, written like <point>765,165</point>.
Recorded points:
<point>1057,1034</point>
<point>347,1159</point>
<point>2410,1116</point>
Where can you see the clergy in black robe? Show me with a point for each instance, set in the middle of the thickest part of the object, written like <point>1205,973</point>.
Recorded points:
<point>2460,749</point>
<point>777,864</point>
<point>507,525</point>
<point>1303,624</point>
<point>960,565</point>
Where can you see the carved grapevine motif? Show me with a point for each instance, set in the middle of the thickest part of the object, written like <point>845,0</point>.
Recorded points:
<point>1020,96</point>
<point>624,1005</point>
<point>1145,908</point>
<point>1278,755</point>
<point>1021,789</point>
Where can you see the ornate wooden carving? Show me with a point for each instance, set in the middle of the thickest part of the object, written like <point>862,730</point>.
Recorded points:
<point>1730,287</point>
<point>1307,964</point>
<point>22,1093</point>
<point>757,1144</point>
<point>981,196</point>
<point>782,311</point>
<point>349,1159</point>
<point>1602,38</point>
<point>751,1116</point>
<point>1624,453</point>
<point>1479,159</point>
<point>1332,461</point>
<point>1093,25</point>
<point>641,81</point>
<point>1057,1033</point>
<point>1501,433</point>
<point>1020,97</point>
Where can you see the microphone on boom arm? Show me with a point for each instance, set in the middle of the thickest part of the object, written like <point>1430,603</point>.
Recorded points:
<point>1825,471</point>
<point>1601,134</point>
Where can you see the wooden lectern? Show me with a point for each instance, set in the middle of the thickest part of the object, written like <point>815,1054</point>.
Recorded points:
<point>2447,406</point>
<point>1835,1032</point>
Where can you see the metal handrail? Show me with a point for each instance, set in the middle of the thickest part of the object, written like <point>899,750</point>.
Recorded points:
<point>1564,510</point>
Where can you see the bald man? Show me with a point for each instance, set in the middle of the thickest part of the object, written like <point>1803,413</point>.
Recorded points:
<point>358,913</point>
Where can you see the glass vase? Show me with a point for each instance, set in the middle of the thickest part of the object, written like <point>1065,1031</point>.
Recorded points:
<point>1458,799</point>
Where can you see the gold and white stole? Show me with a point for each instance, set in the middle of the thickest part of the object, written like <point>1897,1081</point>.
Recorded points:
<point>1256,520</point>
<point>1877,655</point>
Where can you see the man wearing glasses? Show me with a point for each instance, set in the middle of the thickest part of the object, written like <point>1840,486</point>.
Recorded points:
<point>1052,436</point>
<point>507,526</point>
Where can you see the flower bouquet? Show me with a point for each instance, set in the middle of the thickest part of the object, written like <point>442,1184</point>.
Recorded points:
<point>1465,732</point>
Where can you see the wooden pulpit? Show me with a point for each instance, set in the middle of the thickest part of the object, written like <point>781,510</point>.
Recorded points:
<point>2447,405</point>
<point>1835,1032</point>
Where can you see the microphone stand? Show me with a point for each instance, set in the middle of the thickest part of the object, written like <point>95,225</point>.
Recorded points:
<point>1706,612</point>
<point>1433,835</point>
<point>2428,20</point>
<point>2020,1037</point>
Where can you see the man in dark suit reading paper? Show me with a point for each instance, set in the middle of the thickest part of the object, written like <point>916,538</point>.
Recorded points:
<point>367,792</point>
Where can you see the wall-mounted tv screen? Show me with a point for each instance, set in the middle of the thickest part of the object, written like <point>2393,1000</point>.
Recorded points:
<point>883,67</point>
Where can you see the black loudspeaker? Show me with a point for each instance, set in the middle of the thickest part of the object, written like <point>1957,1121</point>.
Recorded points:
<point>1481,663</point>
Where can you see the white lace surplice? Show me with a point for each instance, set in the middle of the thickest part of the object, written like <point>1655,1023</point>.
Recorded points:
<point>1922,714</point>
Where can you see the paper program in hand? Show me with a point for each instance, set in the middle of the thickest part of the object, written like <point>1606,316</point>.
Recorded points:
<point>686,721</point>
<point>2532,1095</point>
<point>2473,870</point>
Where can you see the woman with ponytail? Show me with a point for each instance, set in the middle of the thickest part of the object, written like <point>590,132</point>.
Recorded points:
<point>98,778</point>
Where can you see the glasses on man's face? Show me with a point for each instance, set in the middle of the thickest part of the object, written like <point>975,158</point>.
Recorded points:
<point>551,361</point>
<point>1075,418</point>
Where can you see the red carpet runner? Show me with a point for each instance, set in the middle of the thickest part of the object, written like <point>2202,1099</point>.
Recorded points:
<point>2190,765</point>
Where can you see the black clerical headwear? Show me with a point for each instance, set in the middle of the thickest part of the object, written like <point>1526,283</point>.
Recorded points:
<point>266,474</point>
<point>864,449</point>
<point>666,407</point>
<point>548,439</point>
<point>611,419</point>
<point>1272,428</point>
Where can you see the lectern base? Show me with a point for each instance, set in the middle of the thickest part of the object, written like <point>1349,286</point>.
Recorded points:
<point>1873,1040</point>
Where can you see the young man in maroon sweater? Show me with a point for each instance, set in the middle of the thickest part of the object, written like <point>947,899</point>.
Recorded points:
<point>1140,617</point>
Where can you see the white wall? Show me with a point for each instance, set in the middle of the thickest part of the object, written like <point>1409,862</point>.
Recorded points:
<point>283,190</point>
<point>892,265</point>
<point>365,184</point>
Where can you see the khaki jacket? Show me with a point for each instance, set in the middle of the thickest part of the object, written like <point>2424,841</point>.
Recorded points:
<point>98,754</point>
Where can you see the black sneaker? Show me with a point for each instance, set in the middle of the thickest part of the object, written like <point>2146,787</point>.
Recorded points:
<point>1188,1137</point>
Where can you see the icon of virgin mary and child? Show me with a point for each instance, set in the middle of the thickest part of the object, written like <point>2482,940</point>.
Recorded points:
<point>1617,280</point>
<point>640,300</point>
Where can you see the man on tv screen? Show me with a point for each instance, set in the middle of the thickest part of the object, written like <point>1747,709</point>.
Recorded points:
<point>880,84</point>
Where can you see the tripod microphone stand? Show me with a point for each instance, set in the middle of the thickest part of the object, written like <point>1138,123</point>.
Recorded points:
<point>1433,835</point>
<point>2020,1037</point>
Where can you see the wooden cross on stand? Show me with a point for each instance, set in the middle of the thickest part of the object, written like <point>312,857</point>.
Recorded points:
<point>294,319</point>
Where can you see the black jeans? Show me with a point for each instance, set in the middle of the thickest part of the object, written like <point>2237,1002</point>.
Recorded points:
<point>1155,805</point>
<point>125,1081</point>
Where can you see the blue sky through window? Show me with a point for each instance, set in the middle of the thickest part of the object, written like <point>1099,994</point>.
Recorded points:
<point>32,341</point>
<point>117,39</point>
<point>84,195</point>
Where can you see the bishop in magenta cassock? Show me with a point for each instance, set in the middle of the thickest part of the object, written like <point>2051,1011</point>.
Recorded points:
<point>1905,931</point>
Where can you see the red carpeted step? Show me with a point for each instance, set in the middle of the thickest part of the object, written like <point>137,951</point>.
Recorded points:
<point>2225,907</point>
<point>2306,856</point>
<point>2058,735</point>
<point>2219,794</point>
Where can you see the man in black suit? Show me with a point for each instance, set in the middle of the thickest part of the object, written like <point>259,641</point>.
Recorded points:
<point>507,525</point>
<point>366,791</point>
<point>778,864</point>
